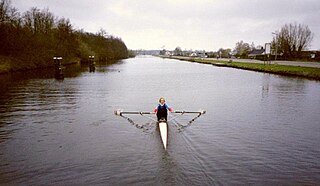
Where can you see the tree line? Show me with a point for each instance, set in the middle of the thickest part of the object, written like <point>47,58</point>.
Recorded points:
<point>35,36</point>
<point>288,43</point>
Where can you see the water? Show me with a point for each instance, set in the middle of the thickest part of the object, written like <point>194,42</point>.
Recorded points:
<point>259,129</point>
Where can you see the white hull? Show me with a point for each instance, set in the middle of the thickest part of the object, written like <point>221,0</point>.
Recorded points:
<point>163,126</point>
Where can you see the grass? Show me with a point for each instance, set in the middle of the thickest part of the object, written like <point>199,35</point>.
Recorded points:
<point>10,64</point>
<point>297,71</point>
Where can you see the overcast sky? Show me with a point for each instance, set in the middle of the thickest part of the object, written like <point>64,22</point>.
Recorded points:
<point>190,24</point>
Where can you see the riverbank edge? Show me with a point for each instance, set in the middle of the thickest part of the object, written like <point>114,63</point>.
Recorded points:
<point>11,65</point>
<point>285,70</point>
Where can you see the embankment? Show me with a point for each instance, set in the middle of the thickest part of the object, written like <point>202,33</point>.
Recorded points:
<point>10,64</point>
<point>296,71</point>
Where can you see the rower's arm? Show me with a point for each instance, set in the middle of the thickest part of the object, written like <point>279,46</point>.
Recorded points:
<point>170,109</point>
<point>156,109</point>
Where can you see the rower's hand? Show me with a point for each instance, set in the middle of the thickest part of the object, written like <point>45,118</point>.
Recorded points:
<point>170,110</point>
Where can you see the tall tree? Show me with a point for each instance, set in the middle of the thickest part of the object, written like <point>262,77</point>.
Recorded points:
<point>225,53</point>
<point>178,51</point>
<point>292,39</point>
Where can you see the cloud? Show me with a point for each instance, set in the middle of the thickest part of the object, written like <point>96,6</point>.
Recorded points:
<point>203,24</point>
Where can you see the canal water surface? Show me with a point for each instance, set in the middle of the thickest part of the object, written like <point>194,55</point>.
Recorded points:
<point>259,129</point>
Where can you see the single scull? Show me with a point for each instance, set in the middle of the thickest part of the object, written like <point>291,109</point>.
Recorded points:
<point>163,124</point>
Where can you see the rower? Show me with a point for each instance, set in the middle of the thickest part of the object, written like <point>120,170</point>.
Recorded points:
<point>162,112</point>
<point>162,109</point>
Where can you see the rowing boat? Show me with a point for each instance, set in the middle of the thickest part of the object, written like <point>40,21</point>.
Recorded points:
<point>163,124</point>
<point>163,127</point>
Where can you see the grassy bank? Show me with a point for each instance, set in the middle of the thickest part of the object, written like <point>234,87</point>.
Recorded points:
<point>9,64</point>
<point>297,71</point>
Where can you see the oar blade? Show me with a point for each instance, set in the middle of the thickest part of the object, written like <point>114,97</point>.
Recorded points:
<point>118,112</point>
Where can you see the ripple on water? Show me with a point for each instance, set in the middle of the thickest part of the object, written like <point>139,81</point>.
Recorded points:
<point>259,129</point>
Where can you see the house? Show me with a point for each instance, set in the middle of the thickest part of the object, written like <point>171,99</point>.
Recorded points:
<point>256,52</point>
<point>310,55</point>
<point>168,53</point>
<point>202,54</point>
<point>193,54</point>
<point>199,54</point>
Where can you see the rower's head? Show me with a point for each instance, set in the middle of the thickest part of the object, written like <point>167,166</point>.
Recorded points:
<point>162,100</point>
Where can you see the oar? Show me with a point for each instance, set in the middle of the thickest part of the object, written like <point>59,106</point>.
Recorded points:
<point>187,112</point>
<point>120,112</point>
<point>190,112</point>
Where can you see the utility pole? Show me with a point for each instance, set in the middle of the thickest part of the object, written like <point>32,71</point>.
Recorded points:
<point>276,42</point>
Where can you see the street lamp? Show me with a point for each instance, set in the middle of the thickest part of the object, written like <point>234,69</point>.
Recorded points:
<point>276,42</point>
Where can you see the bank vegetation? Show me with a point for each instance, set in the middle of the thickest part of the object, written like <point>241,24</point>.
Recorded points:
<point>31,39</point>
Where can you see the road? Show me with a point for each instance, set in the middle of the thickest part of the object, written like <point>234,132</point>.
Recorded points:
<point>289,63</point>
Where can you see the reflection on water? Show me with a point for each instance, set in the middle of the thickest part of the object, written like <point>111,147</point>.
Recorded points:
<point>265,85</point>
<point>259,129</point>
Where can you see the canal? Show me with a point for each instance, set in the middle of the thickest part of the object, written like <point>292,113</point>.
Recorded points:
<point>259,129</point>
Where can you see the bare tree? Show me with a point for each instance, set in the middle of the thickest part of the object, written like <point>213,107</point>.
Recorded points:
<point>102,33</point>
<point>40,21</point>
<point>292,39</point>
<point>9,14</point>
<point>4,10</point>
